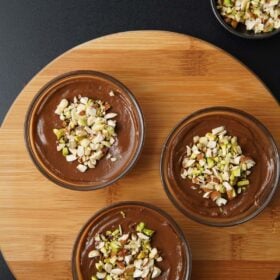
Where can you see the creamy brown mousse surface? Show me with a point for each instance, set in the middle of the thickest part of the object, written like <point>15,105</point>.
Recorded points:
<point>253,143</point>
<point>165,239</point>
<point>128,126</point>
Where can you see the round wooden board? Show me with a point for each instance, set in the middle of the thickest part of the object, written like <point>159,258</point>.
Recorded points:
<point>171,75</point>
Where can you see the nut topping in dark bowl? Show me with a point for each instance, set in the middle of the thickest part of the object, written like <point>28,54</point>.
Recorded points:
<point>248,19</point>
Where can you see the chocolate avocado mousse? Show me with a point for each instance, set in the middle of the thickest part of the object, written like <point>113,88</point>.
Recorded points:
<point>223,180</point>
<point>51,113</point>
<point>131,240</point>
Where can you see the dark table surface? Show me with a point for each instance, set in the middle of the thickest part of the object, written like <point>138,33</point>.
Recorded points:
<point>32,33</point>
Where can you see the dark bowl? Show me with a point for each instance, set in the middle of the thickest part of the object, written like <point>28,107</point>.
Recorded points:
<point>241,29</point>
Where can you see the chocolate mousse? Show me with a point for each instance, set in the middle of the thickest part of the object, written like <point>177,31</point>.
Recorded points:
<point>254,141</point>
<point>172,259</point>
<point>42,119</point>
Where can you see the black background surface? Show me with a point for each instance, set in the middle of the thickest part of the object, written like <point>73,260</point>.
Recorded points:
<point>32,33</point>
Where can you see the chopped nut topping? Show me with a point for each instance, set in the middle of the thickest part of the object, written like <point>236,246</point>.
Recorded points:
<point>216,164</point>
<point>260,16</point>
<point>119,255</point>
<point>87,132</point>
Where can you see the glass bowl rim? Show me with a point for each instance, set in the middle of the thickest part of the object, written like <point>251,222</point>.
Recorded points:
<point>262,127</point>
<point>149,206</point>
<point>28,120</point>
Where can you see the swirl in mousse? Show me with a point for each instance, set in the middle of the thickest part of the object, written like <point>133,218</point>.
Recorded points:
<point>131,240</point>
<point>220,166</point>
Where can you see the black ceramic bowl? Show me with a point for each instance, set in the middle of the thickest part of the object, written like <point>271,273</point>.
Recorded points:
<point>240,30</point>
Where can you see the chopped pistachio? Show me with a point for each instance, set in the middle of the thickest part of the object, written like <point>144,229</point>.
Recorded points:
<point>215,162</point>
<point>59,132</point>
<point>65,151</point>
<point>133,257</point>
<point>243,183</point>
<point>148,232</point>
<point>87,132</point>
<point>140,227</point>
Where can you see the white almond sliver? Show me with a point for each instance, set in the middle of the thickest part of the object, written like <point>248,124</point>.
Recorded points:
<point>128,259</point>
<point>211,144</point>
<point>206,195</point>
<point>221,201</point>
<point>91,111</point>
<point>61,106</point>
<point>108,267</point>
<point>137,273</point>
<point>112,123</point>
<point>82,168</point>
<point>71,157</point>
<point>156,272</point>
<point>227,186</point>
<point>218,130</point>
<point>111,93</point>
<point>143,236</point>
<point>117,271</point>
<point>101,275</point>
<point>110,116</point>
<point>145,273</point>
<point>159,259</point>
<point>80,151</point>
<point>93,254</point>
<point>153,253</point>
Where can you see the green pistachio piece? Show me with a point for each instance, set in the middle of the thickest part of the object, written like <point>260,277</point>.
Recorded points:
<point>140,227</point>
<point>147,245</point>
<point>236,172</point>
<point>115,246</point>
<point>99,266</point>
<point>196,172</point>
<point>243,183</point>
<point>210,136</point>
<point>82,121</point>
<point>141,255</point>
<point>61,141</point>
<point>115,232</point>
<point>65,151</point>
<point>193,156</point>
<point>94,278</point>
<point>220,188</point>
<point>210,162</point>
<point>148,232</point>
<point>59,132</point>
<point>108,277</point>
<point>110,130</point>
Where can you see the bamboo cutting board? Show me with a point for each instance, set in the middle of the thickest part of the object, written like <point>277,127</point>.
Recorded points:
<point>171,75</point>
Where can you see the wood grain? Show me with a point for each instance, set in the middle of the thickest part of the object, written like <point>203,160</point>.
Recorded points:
<point>171,75</point>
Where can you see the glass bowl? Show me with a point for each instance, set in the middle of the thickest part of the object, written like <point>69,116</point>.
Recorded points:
<point>41,119</point>
<point>254,139</point>
<point>168,238</point>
